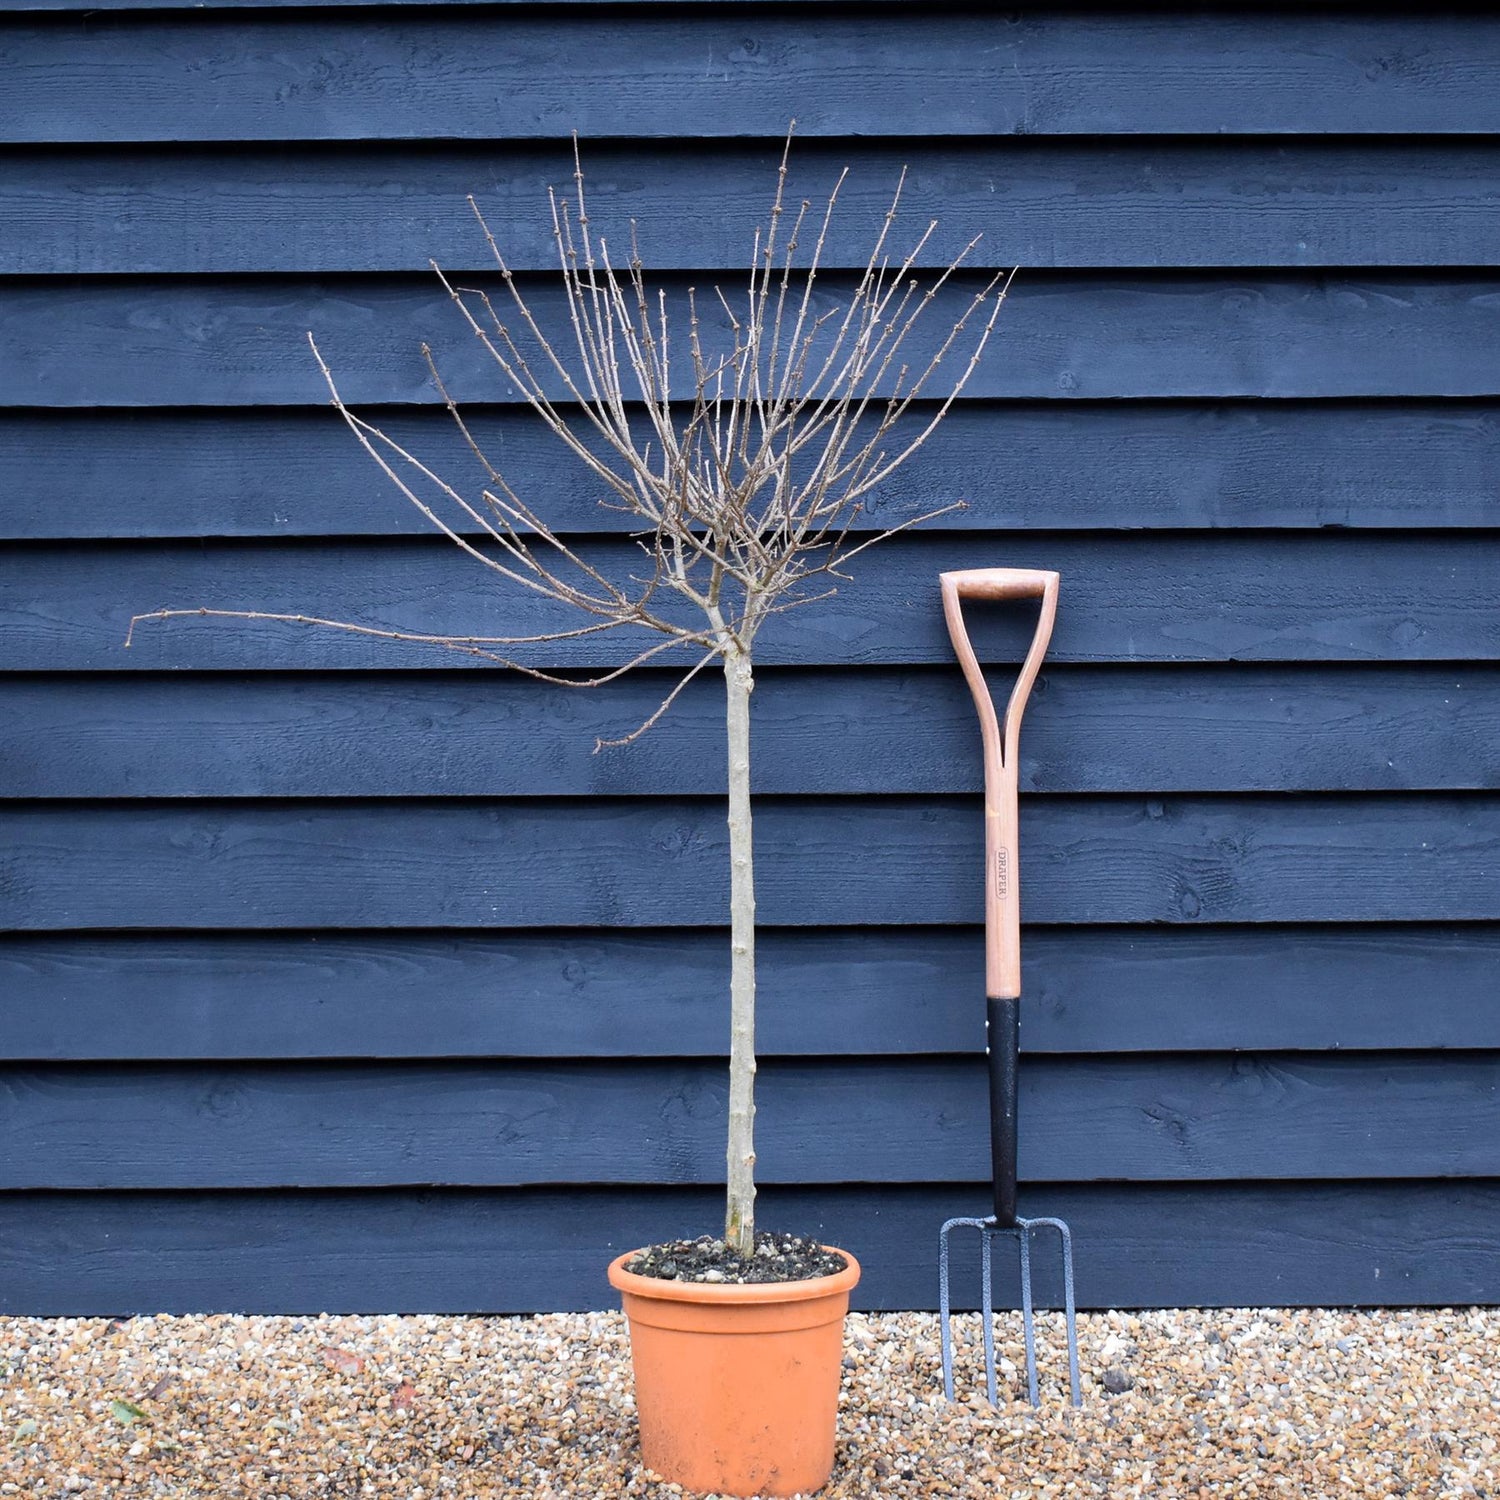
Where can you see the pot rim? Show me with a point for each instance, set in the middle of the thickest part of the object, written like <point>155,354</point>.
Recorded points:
<point>732,1293</point>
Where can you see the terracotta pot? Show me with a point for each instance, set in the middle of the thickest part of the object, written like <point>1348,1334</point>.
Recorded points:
<point>737,1387</point>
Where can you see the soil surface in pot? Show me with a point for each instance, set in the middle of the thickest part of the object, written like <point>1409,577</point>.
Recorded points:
<point>778,1257</point>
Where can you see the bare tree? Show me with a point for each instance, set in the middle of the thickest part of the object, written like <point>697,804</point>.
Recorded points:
<point>748,490</point>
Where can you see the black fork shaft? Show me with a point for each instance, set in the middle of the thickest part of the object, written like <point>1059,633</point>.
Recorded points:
<point>1003,1043</point>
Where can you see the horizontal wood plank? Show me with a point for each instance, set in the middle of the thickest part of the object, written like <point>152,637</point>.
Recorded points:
<point>1038,204</point>
<point>713,73</point>
<point>243,342</point>
<point>628,863</point>
<point>1108,466</point>
<point>1383,1244</point>
<point>898,992</point>
<point>1235,728</point>
<point>1321,597</point>
<point>1149,1117</point>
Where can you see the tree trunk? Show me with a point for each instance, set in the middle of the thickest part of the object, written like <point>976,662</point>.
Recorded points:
<point>739,1219</point>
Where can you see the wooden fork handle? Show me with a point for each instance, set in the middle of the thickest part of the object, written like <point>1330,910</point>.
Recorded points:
<point>1001,740</point>
<point>999,583</point>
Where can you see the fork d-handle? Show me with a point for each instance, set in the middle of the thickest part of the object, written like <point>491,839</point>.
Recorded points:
<point>1002,887</point>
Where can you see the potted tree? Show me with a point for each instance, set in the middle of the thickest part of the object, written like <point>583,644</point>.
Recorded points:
<point>741,435</point>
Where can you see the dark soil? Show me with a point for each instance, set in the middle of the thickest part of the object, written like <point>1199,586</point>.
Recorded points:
<point>778,1257</point>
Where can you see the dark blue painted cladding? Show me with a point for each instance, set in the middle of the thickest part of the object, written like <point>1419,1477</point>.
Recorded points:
<point>242,341</point>
<point>718,71</point>
<point>1040,203</point>
<point>409,964</point>
<point>662,861</point>
<point>570,993</point>
<point>1304,596</point>
<point>406,1250</point>
<point>1216,727</point>
<point>1108,465</point>
<point>1145,1117</point>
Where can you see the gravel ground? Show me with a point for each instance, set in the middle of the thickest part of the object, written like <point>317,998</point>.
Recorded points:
<point>1217,1403</point>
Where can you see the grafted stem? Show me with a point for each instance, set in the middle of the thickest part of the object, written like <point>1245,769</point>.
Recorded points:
<point>739,1218</point>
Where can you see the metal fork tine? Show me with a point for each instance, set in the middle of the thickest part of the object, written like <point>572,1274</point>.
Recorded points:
<point>945,1300</point>
<point>945,1311</point>
<point>1070,1314</point>
<point>1070,1309</point>
<point>1028,1326</point>
<point>987,1302</point>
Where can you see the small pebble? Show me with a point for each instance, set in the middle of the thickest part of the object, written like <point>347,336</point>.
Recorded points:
<point>1234,1404</point>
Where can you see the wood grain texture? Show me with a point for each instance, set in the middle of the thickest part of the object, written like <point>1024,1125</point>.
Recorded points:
<point>1324,596</point>
<point>820,862</point>
<point>715,73</point>
<point>650,993</point>
<point>1163,1245</point>
<point>1038,203</point>
<point>243,342</point>
<point>1149,1117</point>
<point>874,731</point>
<point>1104,466</point>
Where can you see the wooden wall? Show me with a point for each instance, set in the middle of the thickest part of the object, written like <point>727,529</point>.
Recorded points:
<point>333,975</point>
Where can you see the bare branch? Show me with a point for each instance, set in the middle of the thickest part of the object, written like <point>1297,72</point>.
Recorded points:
<point>468,645</point>
<point>665,704</point>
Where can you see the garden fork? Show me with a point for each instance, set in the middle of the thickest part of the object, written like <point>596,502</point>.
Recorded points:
<point>1002,971</point>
